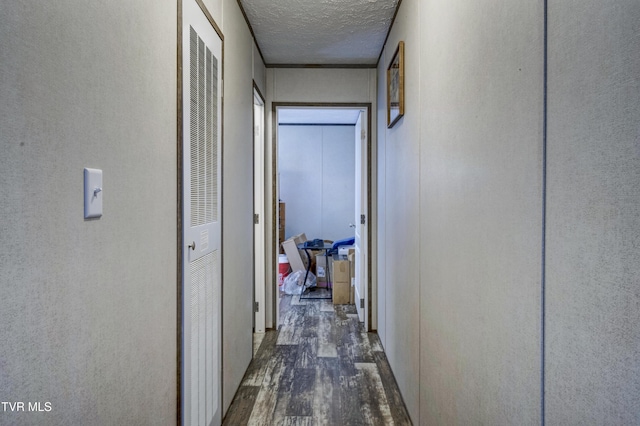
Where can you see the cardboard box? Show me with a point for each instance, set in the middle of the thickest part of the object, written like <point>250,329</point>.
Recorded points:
<point>341,280</point>
<point>341,293</point>
<point>340,269</point>
<point>321,270</point>
<point>297,258</point>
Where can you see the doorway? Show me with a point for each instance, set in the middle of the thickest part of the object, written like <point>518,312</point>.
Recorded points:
<point>199,216</point>
<point>356,116</point>
<point>260,276</point>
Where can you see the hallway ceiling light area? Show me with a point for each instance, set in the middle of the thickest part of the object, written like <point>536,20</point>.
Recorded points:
<point>320,32</point>
<point>317,116</point>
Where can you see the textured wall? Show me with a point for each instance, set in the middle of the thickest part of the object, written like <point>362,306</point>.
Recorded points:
<point>317,180</point>
<point>237,198</point>
<point>399,257</point>
<point>593,222</point>
<point>320,85</point>
<point>88,308</point>
<point>477,69</point>
<point>481,212</point>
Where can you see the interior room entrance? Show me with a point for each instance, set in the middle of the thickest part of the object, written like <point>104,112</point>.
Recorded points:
<point>322,175</point>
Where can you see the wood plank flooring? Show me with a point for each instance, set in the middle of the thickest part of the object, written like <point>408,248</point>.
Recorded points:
<point>319,368</point>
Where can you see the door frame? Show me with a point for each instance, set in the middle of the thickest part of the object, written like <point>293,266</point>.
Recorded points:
<point>274,198</point>
<point>180,244</point>
<point>362,198</point>
<point>259,247</point>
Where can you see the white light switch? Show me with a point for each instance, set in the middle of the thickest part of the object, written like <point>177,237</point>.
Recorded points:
<point>92,193</point>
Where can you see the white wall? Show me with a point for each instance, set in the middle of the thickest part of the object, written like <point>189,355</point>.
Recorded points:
<point>88,313</point>
<point>593,213</point>
<point>241,66</point>
<point>317,180</point>
<point>461,267</point>
<point>399,277</point>
<point>88,308</point>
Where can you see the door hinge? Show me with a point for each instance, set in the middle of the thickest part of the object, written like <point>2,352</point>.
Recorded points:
<point>256,218</point>
<point>256,307</point>
<point>362,219</point>
<point>361,303</point>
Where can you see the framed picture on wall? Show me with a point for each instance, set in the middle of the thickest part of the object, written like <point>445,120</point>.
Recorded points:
<point>395,86</point>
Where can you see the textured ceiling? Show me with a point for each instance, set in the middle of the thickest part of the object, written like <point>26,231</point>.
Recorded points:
<point>322,32</point>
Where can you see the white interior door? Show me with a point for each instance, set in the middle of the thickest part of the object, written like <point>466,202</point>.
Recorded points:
<point>361,219</point>
<point>258,203</point>
<point>201,305</point>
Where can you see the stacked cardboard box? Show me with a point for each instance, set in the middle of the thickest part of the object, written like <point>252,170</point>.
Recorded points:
<point>297,258</point>
<point>321,270</point>
<point>341,280</point>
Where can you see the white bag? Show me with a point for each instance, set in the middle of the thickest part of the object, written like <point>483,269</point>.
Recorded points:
<point>293,282</point>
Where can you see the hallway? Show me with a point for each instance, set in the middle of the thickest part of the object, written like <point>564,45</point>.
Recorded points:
<point>319,368</point>
<point>504,217</point>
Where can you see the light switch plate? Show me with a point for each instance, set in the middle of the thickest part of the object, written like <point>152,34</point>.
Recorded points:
<point>92,193</point>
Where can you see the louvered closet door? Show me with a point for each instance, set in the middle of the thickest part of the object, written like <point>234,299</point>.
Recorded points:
<point>201,82</point>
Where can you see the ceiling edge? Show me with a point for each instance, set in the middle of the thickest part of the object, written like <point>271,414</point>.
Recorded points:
<point>393,20</point>
<point>255,40</point>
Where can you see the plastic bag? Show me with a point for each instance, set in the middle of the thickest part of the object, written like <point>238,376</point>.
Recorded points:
<point>293,282</point>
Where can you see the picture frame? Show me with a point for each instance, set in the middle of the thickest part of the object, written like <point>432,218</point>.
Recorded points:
<point>395,86</point>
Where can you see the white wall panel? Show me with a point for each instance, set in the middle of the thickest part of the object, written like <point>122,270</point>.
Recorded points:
<point>237,196</point>
<point>338,182</point>
<point>88,312</point>
<point>481,212</point>
<point>300,174</point>
<point>317,180</point>
<point>215,9</point>
<point>402,216</point>
<point>480,215</point>
<point>593,224</point>
<point>321,85</point>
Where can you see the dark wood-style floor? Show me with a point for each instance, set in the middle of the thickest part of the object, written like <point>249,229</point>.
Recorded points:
<point>319,368</point>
